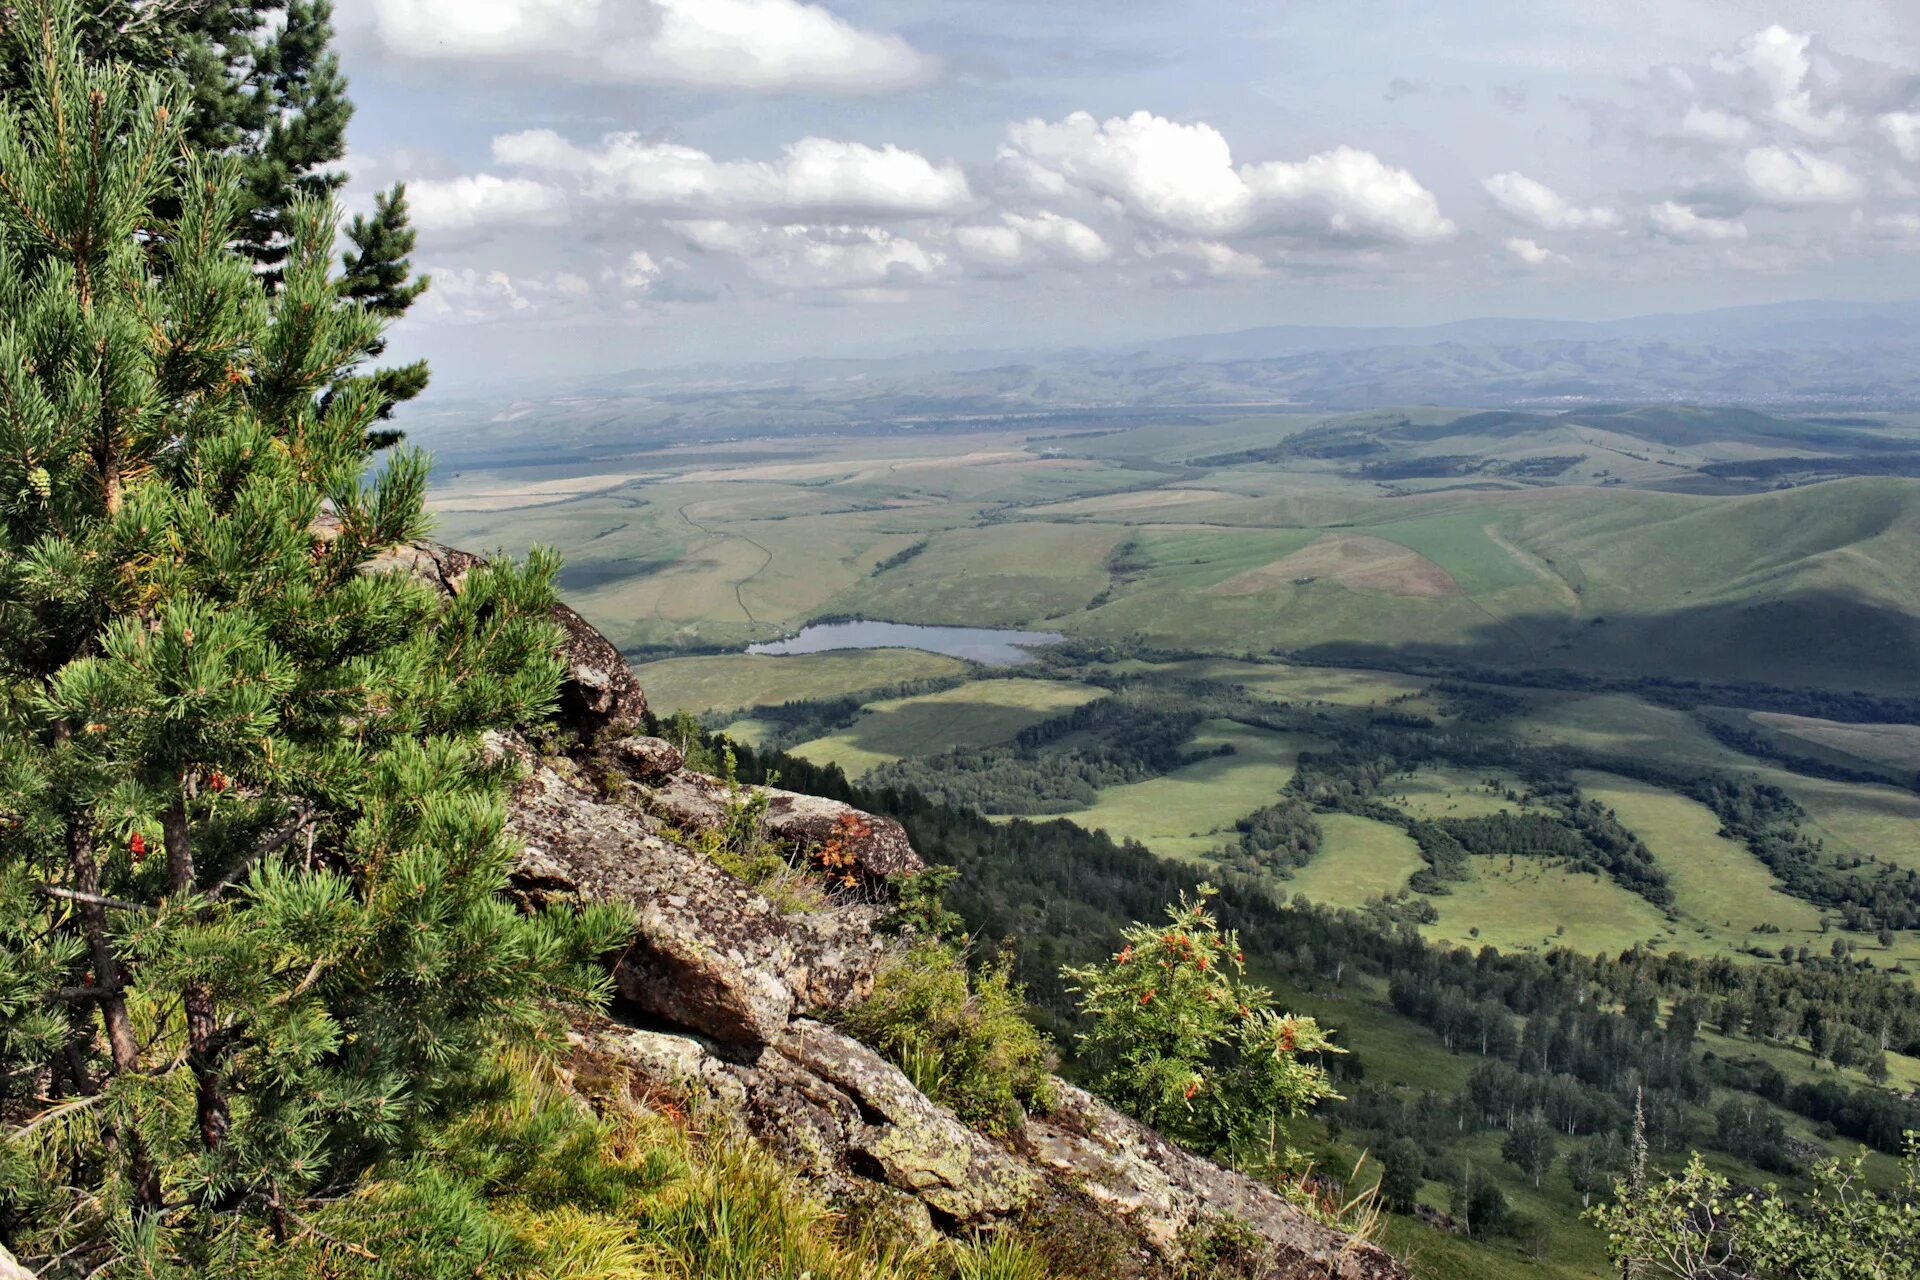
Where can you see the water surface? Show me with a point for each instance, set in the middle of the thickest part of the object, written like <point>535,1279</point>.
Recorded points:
<point>996,647</point>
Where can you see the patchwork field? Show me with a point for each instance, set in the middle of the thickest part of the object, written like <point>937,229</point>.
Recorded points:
<point>730,682</point>
<point>1191,811</point>
<point>981,714</point>
<point>1362,858</point>
<point>1234,540</point>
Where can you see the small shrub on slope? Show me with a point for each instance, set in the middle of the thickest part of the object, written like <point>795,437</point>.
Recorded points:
<point>962,1037</point>
<point>1180,1039</point>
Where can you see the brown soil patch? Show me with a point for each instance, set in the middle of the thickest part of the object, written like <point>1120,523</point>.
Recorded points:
<point>1358,562</point>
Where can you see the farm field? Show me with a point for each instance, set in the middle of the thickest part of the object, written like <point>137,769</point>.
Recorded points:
<point>1363,858</point>
<point>981,714</point>
<point>1190,811</point>
<point>730,682</point>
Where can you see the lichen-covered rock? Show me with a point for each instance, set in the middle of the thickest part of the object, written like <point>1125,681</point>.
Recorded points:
<point>1164,1190</point>
<point>877,847</point>
<point>599,694</point>
<point>709,952</point>
<point>839,1114</point>
<point>10,1268</point>
<point>648,759</point>
<point>915,1145</point>
<point>851,1124</point>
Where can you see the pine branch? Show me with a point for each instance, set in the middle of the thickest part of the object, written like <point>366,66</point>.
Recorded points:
<point>303,814</point>
<point>55,1113</point>
<point>93,899</point>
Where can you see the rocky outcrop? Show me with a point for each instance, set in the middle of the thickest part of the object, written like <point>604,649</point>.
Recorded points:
<point>726,994</point>
<point>1166,1191</point>
<point>876,846</point>
<point>10,1268</point>
<point>709,952</point>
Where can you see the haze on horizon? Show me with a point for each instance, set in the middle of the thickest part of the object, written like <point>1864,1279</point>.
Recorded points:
<point>604,184</point>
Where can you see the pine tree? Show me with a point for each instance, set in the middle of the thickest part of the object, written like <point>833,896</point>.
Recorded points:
<point>259,82</point>
<point>251,942</point>
<point>379,277</point>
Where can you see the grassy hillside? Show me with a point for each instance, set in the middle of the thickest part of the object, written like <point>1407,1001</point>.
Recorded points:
<point>1319,535</point>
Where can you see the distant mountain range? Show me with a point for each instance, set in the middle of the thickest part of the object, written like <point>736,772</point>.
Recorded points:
<point>1799,357</point>
<point>1774,325</point>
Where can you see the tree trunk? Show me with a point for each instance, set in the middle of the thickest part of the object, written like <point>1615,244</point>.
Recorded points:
<point>210,1102</point>
<point>125,1050</point>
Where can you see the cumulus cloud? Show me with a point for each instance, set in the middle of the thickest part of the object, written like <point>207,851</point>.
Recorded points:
<point>1182,177</point>
<point>993,247</point>
<point>481,200</point>
<point>1209,259</point>
<point>1531,253</point>
<point>1175,174</point>
<point>1684,225</point>
<point>1355,192</point>
<point>804,257</point>
<point>1540,205</point>
<point>477,295</point>
<point>812,174</point>
<point>639,271</point>
<point>764,45</point>
<point>1792,176</point>
<point>1710,124</point>
<point>1902,129</point>
<point>1061,237</point>
<point>1782,76</point>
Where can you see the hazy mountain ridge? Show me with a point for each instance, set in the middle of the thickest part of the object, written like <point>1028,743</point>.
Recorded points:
<point>1790,358</point>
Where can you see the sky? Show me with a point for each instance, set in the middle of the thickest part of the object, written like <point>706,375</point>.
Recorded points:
<point>602,185</point>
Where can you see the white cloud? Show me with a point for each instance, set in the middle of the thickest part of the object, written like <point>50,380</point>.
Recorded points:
<point>834,257</point>
<point>1898,226</point>
<point>1792,176</point>
<point>1710,124</point>
<point>1534,255</point>
<point>639,271</point>
<point>1175,174</point>
<point>1784,76</point>
<point>730,44</point>
<point>1356,192</point>
<point>1182,177</point>
<point>462,204</point>
<point>1680,223</point>
<point>473,295</point>
<point>1540,205</point>
<point>812,174</point>
<point>991,246</point>
<point>1061,237</point>
<point>1022,241</point>
<point>1214,259</point>
<point>1902,128</point>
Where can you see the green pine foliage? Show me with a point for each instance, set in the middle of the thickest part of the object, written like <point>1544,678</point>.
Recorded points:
<point>258,81</point>
<point>379,276</point>
<point>251,839</point>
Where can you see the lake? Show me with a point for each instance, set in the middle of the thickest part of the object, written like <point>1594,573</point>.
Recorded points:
<point>989,645</point>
